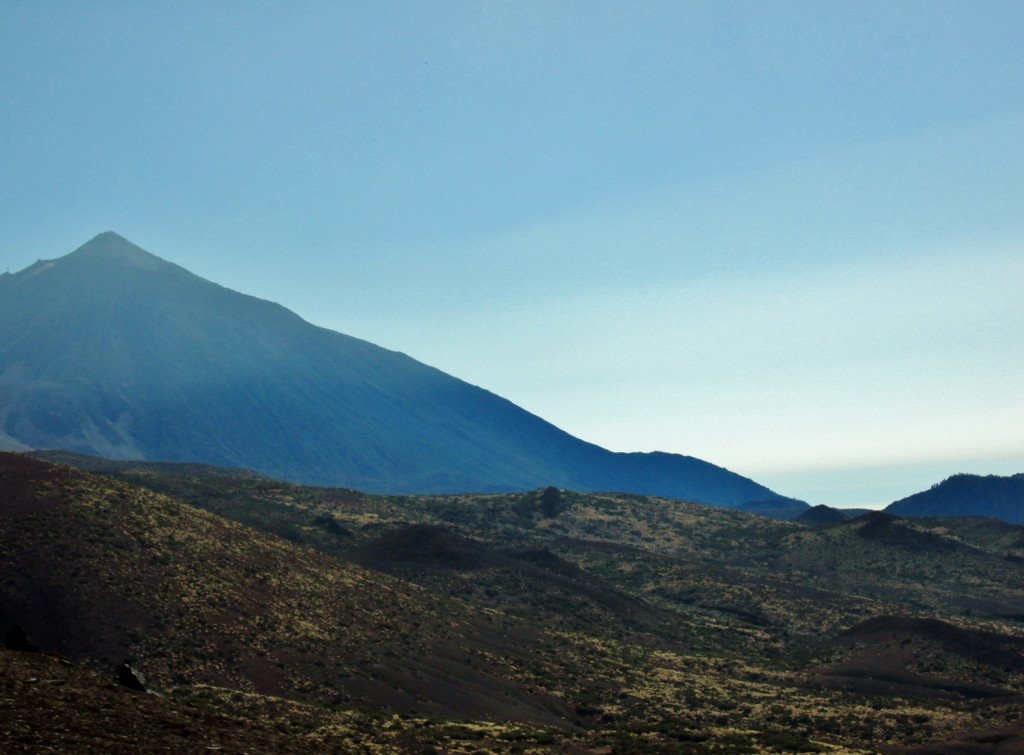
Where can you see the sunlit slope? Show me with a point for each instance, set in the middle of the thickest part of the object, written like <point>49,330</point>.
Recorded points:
<point>115,352</point>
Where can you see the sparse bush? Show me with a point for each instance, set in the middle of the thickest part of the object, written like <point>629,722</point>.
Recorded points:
<point>551,503</point>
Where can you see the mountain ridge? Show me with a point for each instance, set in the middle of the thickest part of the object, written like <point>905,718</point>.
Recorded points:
<point>115,352</point>
<point>1000,497</point>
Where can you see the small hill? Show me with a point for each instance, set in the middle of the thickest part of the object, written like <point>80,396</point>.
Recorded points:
<point>531,583</point>
<point>885,529</point>
<point>426,546</point>
<point>778,508</point>
<point>822,515</point>
<point>968,495</point>
<point>926,658</point>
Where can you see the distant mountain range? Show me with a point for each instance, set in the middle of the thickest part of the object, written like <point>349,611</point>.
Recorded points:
<point>968,495</point>
<point>961,495</point>
<point>115,352</point>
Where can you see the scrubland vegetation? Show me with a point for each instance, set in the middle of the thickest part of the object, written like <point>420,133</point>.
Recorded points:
<point>535,622</point>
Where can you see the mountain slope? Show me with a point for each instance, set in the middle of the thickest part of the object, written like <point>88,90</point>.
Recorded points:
<point>113,351</point>
<point>968,495</point>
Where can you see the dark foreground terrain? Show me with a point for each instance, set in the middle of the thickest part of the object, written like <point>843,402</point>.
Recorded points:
<point>270,617</point>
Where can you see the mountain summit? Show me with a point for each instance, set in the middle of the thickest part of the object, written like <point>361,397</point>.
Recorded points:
<point>111,245</point>
<point>113,351</point>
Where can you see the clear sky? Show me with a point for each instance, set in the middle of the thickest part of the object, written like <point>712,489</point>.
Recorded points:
<point>784,237</point>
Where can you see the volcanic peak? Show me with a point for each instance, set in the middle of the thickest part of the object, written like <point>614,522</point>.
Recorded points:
<point>111,245</point>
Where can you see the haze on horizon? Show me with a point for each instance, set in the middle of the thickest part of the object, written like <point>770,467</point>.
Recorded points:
<point>786,238</point>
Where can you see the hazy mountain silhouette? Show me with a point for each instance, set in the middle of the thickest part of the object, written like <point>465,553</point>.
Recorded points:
<point>968,495</point>
<point>113,351</point>
<point>821,515</point>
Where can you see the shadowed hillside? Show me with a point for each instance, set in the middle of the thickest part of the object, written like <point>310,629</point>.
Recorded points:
<point>968,495</point>
<point>821,515</point>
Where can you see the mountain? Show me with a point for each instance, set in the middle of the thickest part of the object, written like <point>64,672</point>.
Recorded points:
<point>968,495</point>
<point>112,351</point>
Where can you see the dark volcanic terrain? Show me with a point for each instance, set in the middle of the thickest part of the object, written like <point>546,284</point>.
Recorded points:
<point>539,621</point>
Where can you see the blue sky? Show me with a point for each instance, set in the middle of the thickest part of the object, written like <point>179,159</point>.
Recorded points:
<point>785,237</point>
